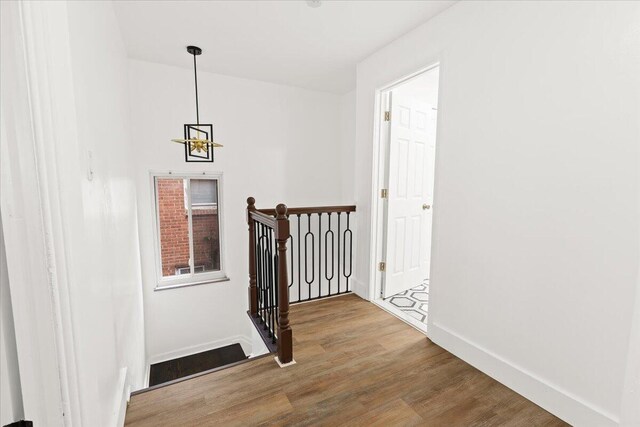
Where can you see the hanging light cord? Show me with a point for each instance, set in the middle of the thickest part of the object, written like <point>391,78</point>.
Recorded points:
<point>195,74</point>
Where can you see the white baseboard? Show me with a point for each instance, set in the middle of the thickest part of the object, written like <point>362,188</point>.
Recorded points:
<point>147,375</point>
<point>559,402</point>
<point>121,399</point>
<point>245,343</point>
<point>186,351</point>
<point>360,289</point>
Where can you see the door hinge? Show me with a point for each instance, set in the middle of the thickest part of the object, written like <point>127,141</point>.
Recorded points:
<point>382,266</point>
<point>384,193</point>
<point>387,116</point>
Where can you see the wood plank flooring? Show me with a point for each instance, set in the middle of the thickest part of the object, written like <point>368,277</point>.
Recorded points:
<point>356,365</point>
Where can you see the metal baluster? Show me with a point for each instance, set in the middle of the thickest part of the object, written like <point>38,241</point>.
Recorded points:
<point>265,263</point>
<point>319,255</point>
<point>306,257</point>
<point>259,269</point>
<point>339,213</point>
<point>350,234</point>
<point>326,254</point>
<point>265,269</point>
<point>299,265</point>
<point>290,241</point>
<point>270,287</point>
<point>262,269</point>
<point>257,261</point>
<point>275,290</point>
<point>262,276</point>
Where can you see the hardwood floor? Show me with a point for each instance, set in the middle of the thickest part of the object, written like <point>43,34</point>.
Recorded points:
<point>356,365</point>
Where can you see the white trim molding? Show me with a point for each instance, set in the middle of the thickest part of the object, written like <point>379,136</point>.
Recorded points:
<point>120,409</point>
<point>377,215</point>
<point>361,289</point>
<point>179,281</point>
<point>630,405</point>
<point>561,403</point>
<point>245,343</point>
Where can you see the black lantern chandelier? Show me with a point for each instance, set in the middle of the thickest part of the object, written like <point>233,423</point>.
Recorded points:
<point>198,138</point>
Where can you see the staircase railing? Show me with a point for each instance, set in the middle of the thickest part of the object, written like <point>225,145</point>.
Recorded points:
<point>268,283</point>
<point>308,275</point>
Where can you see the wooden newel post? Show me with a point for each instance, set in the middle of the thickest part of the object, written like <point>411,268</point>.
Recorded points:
<point>285,337</point>
<point>253,290</point>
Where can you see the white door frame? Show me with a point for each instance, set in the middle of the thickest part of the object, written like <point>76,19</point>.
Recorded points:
<point>379,171</point>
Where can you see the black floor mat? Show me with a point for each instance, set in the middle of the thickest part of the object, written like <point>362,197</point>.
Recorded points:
<point>177,368</point>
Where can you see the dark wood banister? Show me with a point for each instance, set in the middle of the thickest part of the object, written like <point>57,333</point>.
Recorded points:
<point>280,226</point>
<point>253,278</point>
<point>285,336</point>
<point>278,220</point>
<point>264,218</point>
<point>312,210</point>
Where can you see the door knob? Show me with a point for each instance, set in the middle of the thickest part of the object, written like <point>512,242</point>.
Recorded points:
<point>425,207</point>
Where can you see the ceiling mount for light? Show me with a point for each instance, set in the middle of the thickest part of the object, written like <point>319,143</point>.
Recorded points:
<point>198,138</point>
<point>314,3</point>
<point>194,50</point>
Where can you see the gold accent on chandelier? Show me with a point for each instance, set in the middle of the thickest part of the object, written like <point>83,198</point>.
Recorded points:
<point>199,145</point>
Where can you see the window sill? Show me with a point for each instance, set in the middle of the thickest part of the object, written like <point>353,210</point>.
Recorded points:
<point>187,284</point>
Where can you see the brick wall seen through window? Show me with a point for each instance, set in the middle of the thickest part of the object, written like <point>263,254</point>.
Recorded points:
<point>173,220</point>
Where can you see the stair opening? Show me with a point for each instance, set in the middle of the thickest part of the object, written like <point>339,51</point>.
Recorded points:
<point>171,370</point>
<point>295,255</point>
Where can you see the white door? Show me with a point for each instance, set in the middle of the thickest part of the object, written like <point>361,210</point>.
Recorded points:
<point>411,164</point>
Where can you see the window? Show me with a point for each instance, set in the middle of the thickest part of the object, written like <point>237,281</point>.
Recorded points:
<point>189,232</point>
<point>203,194</point>
<point>187,270</point>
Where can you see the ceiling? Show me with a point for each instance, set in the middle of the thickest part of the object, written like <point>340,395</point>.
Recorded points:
<point>284,42</point>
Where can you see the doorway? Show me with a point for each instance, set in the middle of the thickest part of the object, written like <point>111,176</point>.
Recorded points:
<point>406,170</point>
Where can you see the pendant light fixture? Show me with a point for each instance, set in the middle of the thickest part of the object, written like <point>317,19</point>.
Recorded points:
<point>198,138</point>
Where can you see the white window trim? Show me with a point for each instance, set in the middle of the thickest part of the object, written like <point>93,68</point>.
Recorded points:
<point>204,205</point>
<point>183,280</point>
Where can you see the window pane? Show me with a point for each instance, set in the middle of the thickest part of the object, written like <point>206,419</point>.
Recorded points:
<point>174,226</point>
<point>203,192</point>
<point>205,221</point>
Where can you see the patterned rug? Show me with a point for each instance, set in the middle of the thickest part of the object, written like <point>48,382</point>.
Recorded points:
<point>414,302</point>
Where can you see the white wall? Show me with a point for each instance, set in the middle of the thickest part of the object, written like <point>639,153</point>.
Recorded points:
<point>281,144</point>
<point>106,292</point>
<point>108,301</point>
<point>11,408</point>
<point>347,121</point>
<point>73,259</point>
<point>424,87</point>
<point>535,254</point>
